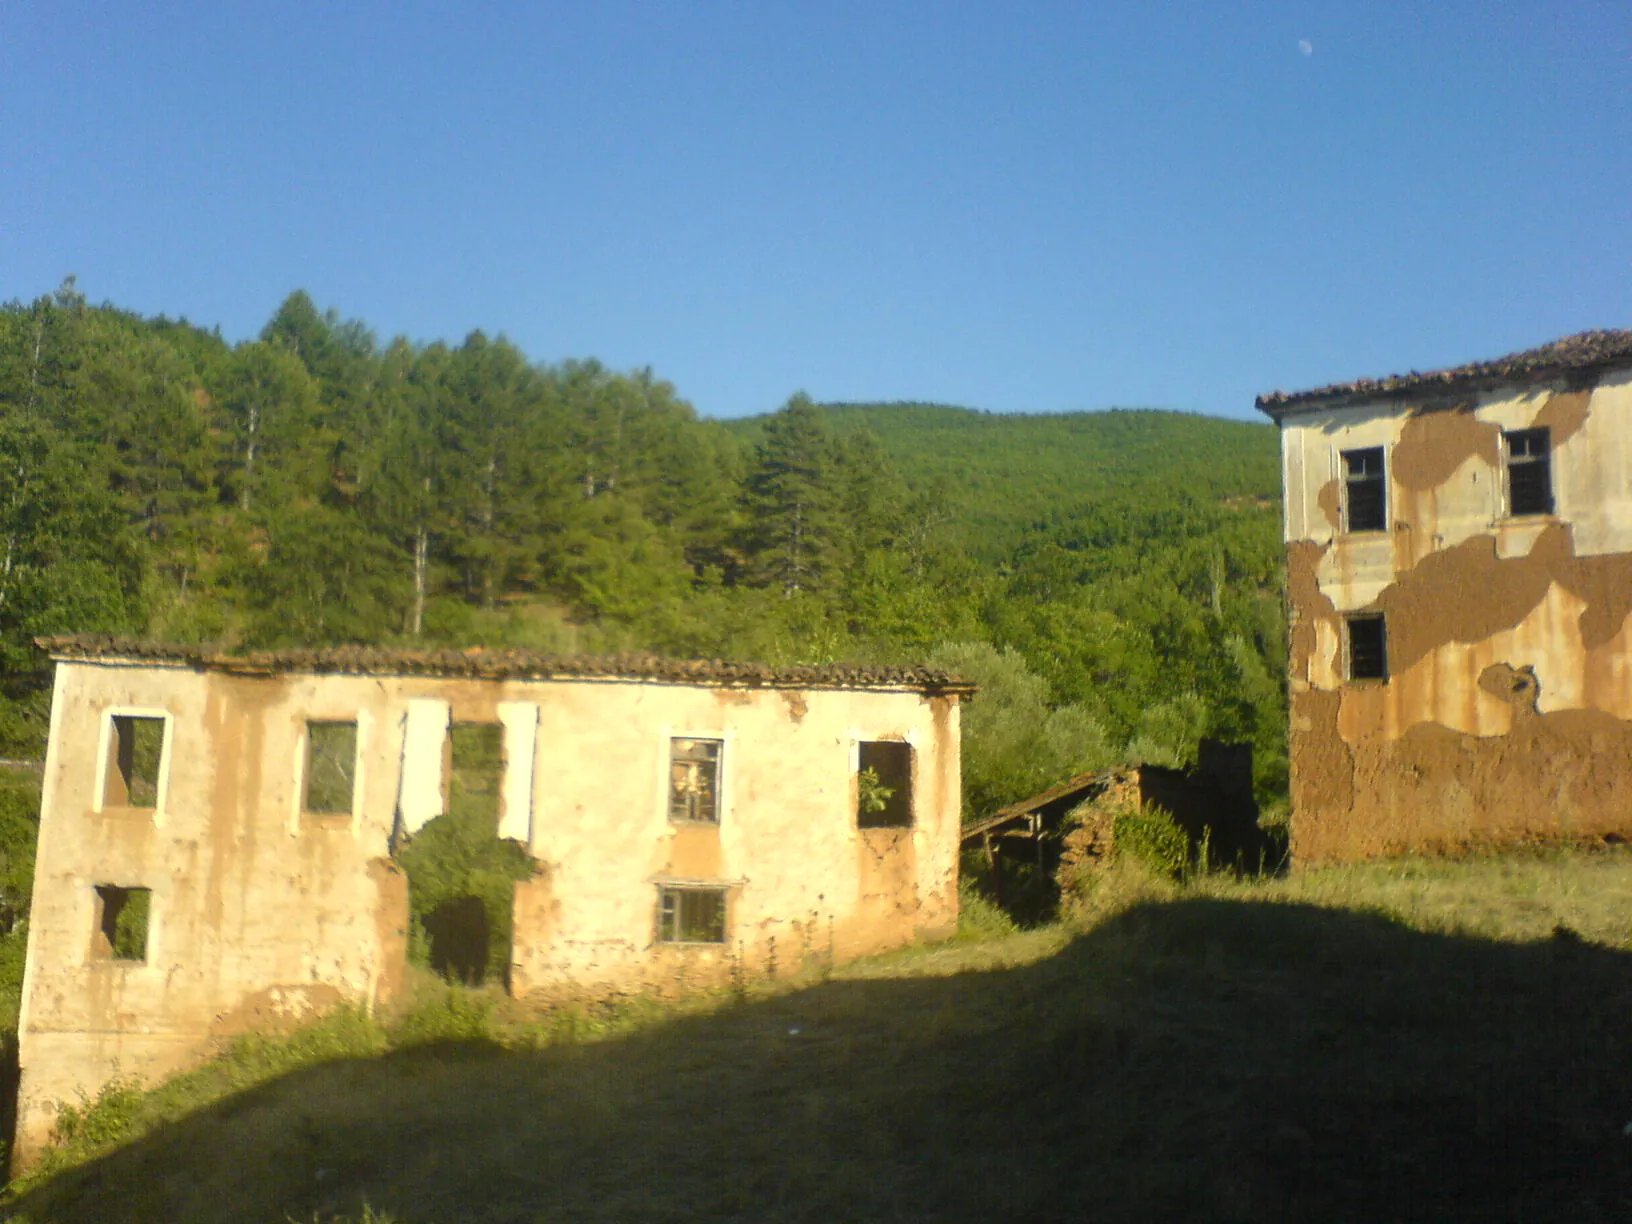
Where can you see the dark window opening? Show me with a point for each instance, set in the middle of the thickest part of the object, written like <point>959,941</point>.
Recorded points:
<point>884,785</point>
<point>691,915</point>
<point>1368,648</point>
<point>460,939</point>
<point>121,922</point>
<point>1529,472</point>
<point>331,768</point>
<point>135,749</point>
<point>694,780</point>
<point>475,774</point>
<point>1366,500</point>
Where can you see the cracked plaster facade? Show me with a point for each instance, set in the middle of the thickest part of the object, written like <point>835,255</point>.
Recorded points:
<point>263,914</point>
<point>1506,709</point>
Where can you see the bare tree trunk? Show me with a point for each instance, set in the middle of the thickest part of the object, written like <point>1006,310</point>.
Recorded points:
<point>249,454</point>
<point>490,480</point>
<point>796,562</point>
<point>34,366</point>
<point>421,548</point>
<point>5,570</point>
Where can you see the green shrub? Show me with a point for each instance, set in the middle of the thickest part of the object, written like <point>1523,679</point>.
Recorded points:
<point>872,795</point>
<point>451,1014</point>
<point>1149,835</point>
<point>107,1118</point>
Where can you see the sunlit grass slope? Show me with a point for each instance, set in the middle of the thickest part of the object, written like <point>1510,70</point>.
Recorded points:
<point>1402,1041</point>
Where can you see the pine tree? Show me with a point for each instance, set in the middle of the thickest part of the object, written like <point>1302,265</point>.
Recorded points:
<point>791,501</point>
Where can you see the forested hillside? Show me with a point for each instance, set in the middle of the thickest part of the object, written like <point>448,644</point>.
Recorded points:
<point>1000,476</point>
<point>1112,580</point>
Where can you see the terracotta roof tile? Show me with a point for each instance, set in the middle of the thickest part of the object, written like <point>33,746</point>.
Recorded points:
<point>484,664</point>
<point>1590,350</point>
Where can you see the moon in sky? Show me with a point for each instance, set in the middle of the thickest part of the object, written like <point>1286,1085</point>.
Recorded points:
<point>1305,47</point>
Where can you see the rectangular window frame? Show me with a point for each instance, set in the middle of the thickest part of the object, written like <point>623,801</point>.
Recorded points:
<point>679,806</point>
<point>672,928</point>
<point>106,744</point>
<point>1371,485</point>
<point>303,816</point>
<point>111,901</point>
<point>891,817</point>
<point>1537,446</point>
<point>1365,659</point>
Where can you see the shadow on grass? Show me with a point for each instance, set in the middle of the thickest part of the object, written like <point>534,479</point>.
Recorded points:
<point>1200,1060</point>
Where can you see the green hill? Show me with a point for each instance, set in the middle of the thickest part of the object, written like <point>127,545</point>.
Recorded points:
<point>1000,475</point>
<point>1112,580</point>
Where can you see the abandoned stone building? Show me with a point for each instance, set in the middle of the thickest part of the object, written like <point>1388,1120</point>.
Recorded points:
<point>218,834</point>
<point>1459,573</point>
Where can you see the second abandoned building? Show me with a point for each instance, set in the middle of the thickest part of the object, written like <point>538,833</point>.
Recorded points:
<point>1459,571</point>
<point>216,833</point>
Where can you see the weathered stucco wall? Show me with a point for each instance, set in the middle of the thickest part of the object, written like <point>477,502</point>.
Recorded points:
<point>1507,711</point>
<point>262,913</point>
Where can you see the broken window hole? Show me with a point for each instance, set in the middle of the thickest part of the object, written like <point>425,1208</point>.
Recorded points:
<point>475,772</point>
<point>331,768</point>
<point>884,785</point>
<point>1367,647</point>
<point>461,875</point>
<point>121,922</point>
<point>135,752</point>
<point>459,940</point>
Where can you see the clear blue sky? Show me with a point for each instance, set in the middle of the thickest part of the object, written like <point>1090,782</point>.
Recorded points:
<point>1008,205</point>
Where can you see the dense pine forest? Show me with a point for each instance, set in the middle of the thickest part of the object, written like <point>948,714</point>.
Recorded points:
<point>1112,580</point>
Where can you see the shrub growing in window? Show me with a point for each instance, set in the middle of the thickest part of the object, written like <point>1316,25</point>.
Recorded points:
<point>884,785</point>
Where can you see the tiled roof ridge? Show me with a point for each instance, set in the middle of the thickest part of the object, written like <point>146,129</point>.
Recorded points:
<point>1583,350</point>
<point>507,664</point>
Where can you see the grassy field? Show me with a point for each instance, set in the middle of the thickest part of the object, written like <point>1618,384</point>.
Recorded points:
<point>1414,1040</point>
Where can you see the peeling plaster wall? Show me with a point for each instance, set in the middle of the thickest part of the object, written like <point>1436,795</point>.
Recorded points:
<point>804,881</point>
<point>1508,709</point>
<point>263,914</point>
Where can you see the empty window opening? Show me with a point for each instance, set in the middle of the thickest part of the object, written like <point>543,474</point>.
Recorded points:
<point>475,773</point>
<point>459,940</point>
<point>884,785</point>
<point>694,780</point>
<point>135,749</point>
<point>461,875</point>
<point>691,915</point>
<point>1365,502</point>
<point>331,768</point>
<point>1529,471</point>
<point>1368,647</point>
<point>121,922</point>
